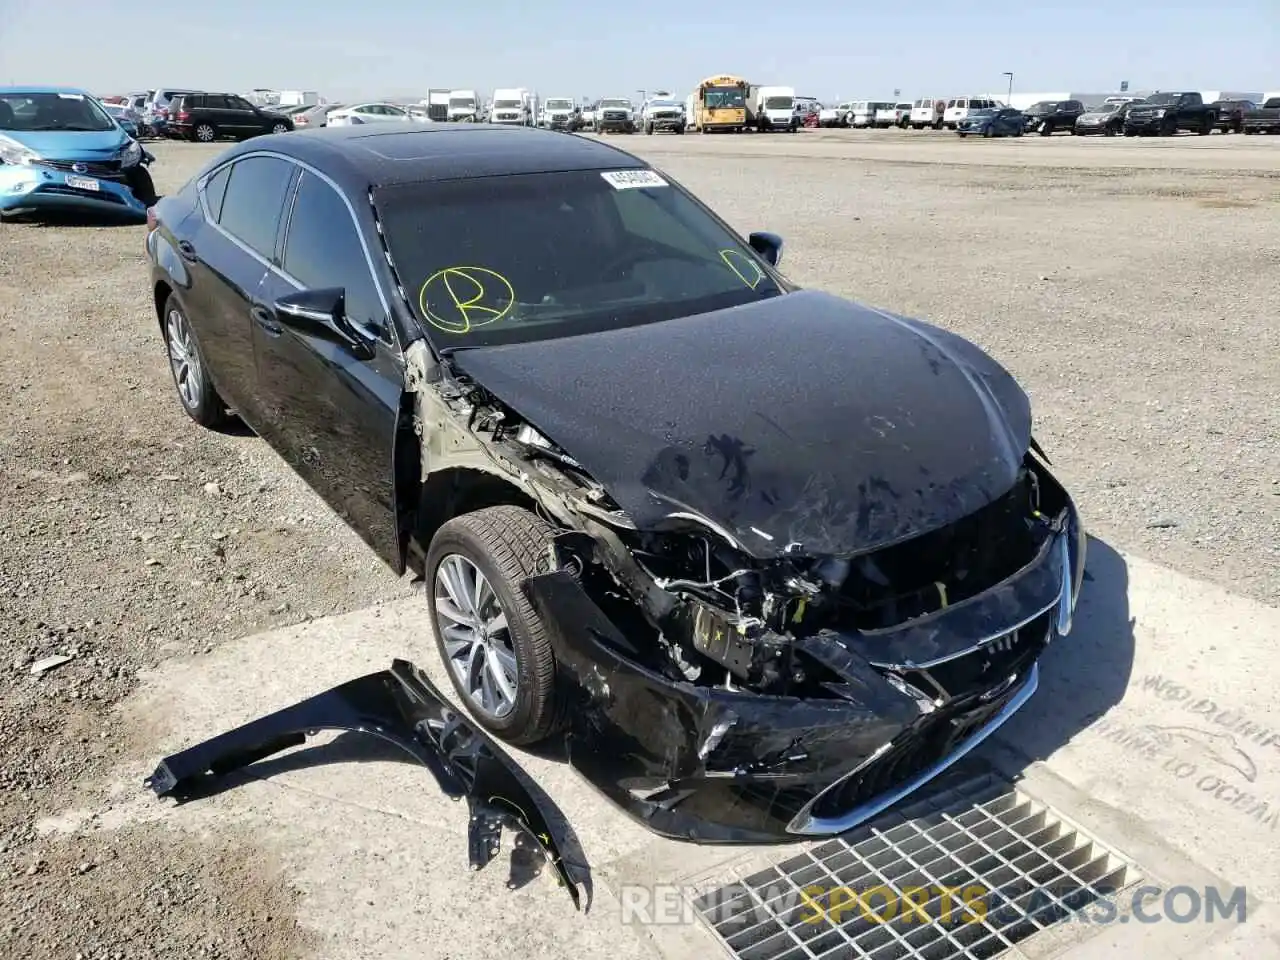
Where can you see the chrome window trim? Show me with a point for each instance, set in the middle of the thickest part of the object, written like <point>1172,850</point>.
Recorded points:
<point>278,269</point>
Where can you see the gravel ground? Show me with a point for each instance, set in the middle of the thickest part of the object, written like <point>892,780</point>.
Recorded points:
<point>1130,286</point>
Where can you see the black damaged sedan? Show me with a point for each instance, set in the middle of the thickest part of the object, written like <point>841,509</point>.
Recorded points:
<point>769,559</point>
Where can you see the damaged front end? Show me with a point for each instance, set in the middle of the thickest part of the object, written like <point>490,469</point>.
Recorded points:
<point>719,696</point>
<point>801,697</point>
<point>403,707</point>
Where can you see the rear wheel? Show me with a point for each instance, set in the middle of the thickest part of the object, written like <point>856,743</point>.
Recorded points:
<point>190,373</point>
<point>493,642</point>
<point>205,132</point>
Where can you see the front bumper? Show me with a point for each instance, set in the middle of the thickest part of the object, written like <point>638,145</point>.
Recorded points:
<point>721,765</point>
<point>52,185</point>
<point>616,124</point>
<point>665,123</point>
<point>403,707</point>
<point>1145,125</point>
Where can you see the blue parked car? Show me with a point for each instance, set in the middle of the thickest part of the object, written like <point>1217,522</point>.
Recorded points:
<point>997,122</point>
<point>61,150</point>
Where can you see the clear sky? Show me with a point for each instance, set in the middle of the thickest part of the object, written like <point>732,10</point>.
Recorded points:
<point>825,48</point>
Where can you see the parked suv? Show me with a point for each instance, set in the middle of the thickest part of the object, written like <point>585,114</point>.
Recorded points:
<point>1167,113</point>
<point>208,116</point>
<point>1231,114</point>
<point>1049,116</point>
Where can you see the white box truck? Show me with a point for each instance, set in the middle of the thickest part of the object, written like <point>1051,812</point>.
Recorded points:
<point>514,106</point>
<point>774,108</point>
<point>299,98</point>
<point>464,106</point>
<point>437,104</point>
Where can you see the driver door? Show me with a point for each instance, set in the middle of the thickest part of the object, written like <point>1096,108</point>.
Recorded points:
<point>334,415</point>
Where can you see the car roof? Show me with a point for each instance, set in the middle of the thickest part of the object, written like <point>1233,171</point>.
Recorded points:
<point>35,88</point>
<point>363,157</point>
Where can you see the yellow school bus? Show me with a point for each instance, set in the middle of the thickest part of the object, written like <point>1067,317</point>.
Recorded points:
<point>720,103</point>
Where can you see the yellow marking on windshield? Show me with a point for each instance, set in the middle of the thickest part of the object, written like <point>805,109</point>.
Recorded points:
<point>459,299</point>
<point>729,257</point>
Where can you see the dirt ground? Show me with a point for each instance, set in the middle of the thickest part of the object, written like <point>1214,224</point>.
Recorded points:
<point>1131,287</point>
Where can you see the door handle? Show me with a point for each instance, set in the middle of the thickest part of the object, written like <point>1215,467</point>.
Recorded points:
<point>263,318</point>
<point>187,251</point>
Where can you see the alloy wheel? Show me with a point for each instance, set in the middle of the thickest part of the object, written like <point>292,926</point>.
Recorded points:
<point>279,128</point>
<point>477,638</point>
<point>204,133</point>
<point>184,360</point>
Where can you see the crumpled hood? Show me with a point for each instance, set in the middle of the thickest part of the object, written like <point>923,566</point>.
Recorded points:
<point>71,144</point>
<point>801,423</point>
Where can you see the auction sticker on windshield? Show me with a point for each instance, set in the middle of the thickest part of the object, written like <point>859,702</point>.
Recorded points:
<point>629,179</point>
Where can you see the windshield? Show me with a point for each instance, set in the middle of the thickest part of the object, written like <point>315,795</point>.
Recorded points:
<point>559,104</point>
<point>631,248</point>
<point>1044,106</point>
<point>777,103</point>
<point>616,104</point>
<point>730,97</point>
<point>982,112</point>
<point>467,103</point>
<point>1163,98</point>
<point>506,104</point>
<point>53,111</point>
<point>664,104</point>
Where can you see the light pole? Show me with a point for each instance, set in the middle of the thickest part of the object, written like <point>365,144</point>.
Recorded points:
<point>1007,102</point>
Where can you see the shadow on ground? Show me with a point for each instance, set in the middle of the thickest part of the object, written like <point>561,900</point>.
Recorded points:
<point>1085,674</point>
<point>71,218</point>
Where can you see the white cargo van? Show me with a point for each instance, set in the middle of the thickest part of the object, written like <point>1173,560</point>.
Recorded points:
<point>774,108</point>
<point>959,108</point>
<point>513,106</point>
<point>464,106</point>
<point>927,113</point>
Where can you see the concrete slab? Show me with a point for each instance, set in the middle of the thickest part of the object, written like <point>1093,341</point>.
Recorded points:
<point>1162,704</point>
<point>380,856</point>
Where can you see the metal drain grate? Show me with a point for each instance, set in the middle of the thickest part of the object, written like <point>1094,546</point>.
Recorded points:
<point>1012,866</point>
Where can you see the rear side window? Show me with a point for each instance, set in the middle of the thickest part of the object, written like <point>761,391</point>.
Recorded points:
<point>254,197</point>
<point>215,189</point>
<point>323,249</point>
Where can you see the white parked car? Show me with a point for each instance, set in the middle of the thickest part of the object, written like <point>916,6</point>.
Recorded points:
<point>371,113</point>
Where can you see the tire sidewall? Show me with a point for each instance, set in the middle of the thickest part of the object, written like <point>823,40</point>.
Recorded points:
<point>208,412</point>
<point>461,540</point>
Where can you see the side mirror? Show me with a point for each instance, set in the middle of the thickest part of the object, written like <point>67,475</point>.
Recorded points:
<point>322,314</point>
<point>768,245</point>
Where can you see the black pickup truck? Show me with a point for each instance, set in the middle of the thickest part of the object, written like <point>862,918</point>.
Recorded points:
<point>1263,119</point>
<point>1167,113</point>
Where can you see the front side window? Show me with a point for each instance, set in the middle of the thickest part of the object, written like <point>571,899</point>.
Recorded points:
<point>323,249</point>
<point>253,201</point>
<point>630,247</point>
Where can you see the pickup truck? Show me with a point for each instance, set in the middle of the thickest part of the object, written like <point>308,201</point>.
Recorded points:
<point>1263,119</point>
<point>1167,113</point>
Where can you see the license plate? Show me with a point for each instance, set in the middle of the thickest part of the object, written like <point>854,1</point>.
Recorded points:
<point>83,183</point>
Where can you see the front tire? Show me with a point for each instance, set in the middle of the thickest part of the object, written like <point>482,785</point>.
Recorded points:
<point>280,128</point>
<point>195,389</point>
<point>494,644</point>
